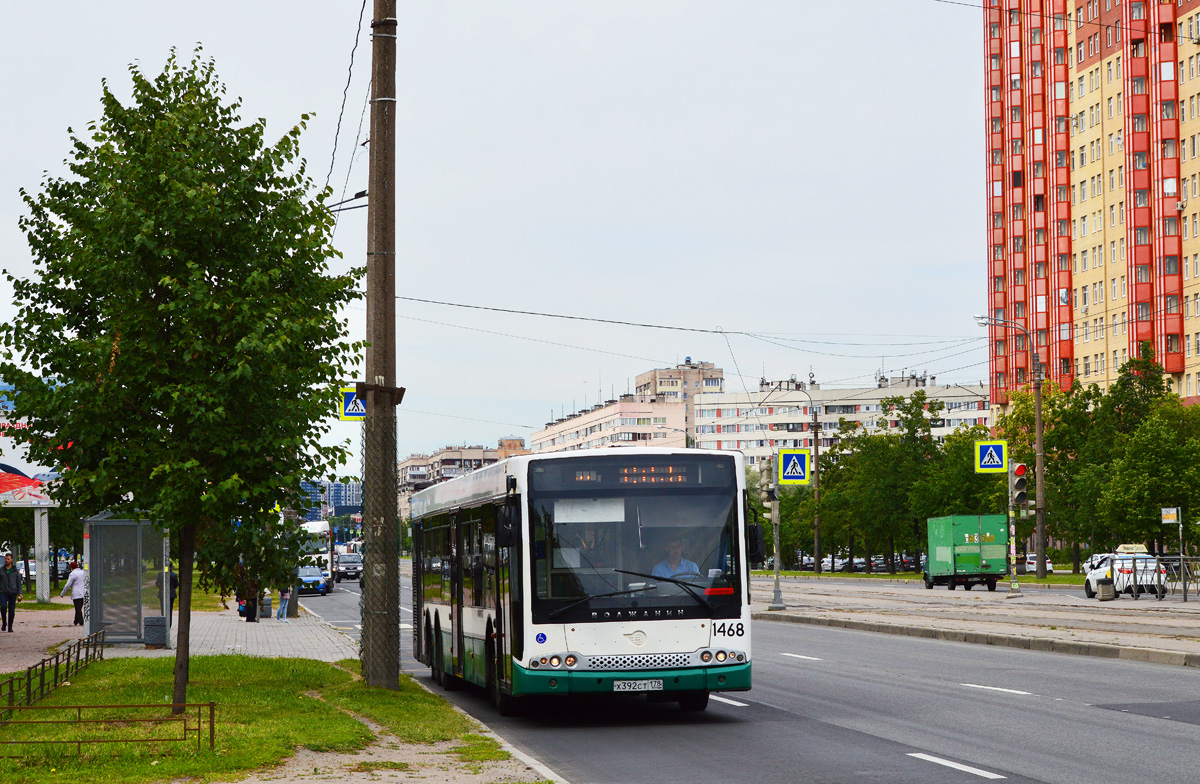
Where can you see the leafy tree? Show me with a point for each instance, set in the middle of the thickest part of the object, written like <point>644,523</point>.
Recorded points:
<point>1159,467</point>
<point>951,486</point>
<point>184,309</point>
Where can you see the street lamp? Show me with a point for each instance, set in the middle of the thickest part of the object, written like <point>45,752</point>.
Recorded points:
<point>1039,458</point>
<point>686,434</point>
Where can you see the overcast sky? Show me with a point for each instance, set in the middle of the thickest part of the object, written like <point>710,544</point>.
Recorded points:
<point>808,172</point>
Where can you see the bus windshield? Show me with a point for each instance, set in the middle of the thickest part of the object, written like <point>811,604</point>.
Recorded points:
<point>614,534</point>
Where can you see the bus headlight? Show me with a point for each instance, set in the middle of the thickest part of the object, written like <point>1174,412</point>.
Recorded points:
<point>706,657</point>
<point>555,661</point>
<point>720,656</point>
<point>572,661</point>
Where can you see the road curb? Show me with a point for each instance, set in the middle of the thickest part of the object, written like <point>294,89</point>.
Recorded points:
<point>542,769</point>
<point>1100,650</point>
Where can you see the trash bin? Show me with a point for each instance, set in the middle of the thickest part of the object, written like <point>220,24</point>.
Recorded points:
<point>265,610</point>
<point>156,631</point>
<point>1105,590</point>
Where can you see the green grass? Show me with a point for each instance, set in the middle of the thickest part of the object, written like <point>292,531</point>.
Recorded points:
<point>480,748</point>
<point>1051,579</point>
<point>411,713</point>
<point>266,708</point>
<point>30,604</point>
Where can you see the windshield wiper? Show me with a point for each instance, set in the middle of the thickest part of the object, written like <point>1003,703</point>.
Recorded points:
<point>588,598</point>
<point>691,592</point>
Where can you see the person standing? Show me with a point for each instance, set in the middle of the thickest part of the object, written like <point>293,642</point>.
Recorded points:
<point>284,594</point>
<point>11,584</point>
<point>77,585</point>
<point>172,586</point>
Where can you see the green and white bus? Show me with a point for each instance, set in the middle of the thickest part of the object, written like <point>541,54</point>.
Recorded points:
<point>619,570</point>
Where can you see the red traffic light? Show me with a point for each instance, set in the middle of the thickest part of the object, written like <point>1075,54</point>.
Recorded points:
<point>1018,469</point>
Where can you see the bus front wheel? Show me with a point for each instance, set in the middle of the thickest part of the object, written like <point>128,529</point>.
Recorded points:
<point>694,701</point>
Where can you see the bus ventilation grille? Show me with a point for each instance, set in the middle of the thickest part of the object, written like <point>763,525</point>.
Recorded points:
<point>645,661</point>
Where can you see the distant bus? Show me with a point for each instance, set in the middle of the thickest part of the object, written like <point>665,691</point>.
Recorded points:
<point>318,550</point>
<point>610,571</point>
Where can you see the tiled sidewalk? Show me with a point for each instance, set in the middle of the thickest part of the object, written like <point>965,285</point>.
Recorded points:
<point>214,633</point>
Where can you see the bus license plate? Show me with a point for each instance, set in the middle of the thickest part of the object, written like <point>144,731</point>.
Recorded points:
<point>652,685</point>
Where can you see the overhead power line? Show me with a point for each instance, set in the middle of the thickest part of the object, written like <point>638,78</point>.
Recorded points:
<point>345,92</point>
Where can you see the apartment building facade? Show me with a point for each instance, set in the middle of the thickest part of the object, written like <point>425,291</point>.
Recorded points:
<point>631,420</point>
<point>780,414</point>
<point>1091,158</point>
<point>416,472</point>
<point>682,382</point>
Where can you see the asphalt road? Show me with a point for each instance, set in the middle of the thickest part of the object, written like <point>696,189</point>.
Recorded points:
<point>832,705</point>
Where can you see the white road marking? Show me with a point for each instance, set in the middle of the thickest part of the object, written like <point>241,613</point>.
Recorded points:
<point>347,590</point>
<point>798,656</point>
<point>964,768</point>
<point>995,688</point>
<point>406,626</point>
<point>728,701</point>
<point>405,609</point>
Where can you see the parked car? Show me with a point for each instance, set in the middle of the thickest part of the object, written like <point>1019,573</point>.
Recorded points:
<point>311,579</point>
<point>1092,561</point>
<point>878,563</point>
<point>1131,574</point>
<point>32,570</point>
<point>347,566</point>
<point>1031,564</point>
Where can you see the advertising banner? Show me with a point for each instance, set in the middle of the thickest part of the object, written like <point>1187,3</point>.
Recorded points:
<point>22,483</point>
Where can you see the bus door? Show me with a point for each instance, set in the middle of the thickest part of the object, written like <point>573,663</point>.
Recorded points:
<point>458,559</point>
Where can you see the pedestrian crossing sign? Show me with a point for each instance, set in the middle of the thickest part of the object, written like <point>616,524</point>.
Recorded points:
<point>991,457</point>
<point>794,466</point>
<point>353,407</point>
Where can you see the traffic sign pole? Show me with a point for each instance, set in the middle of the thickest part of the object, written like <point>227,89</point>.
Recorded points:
<point>1014,588</point>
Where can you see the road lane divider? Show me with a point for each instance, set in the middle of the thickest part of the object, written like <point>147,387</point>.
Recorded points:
<point>987,774</point>
<point>997,688</point>
<point>798,656</point>
<point>728,701</point>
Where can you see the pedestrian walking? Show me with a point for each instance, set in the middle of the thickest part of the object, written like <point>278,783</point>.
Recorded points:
<point>11,585</point>
<point>77,585</point>
<point>284,595</point>
<point>173,586</point>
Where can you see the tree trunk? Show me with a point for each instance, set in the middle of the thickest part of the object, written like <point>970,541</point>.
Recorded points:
<point>1075,558</point>
<point>892,554</point>
<point>187,554</point>
<point>870,565</point>
<point>849,567</point>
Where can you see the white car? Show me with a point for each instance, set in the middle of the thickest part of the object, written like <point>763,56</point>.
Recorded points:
<point>1092,561</point>
<point>1131,574</point>
<point>1031,564</point>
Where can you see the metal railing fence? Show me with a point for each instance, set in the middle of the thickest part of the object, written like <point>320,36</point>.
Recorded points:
<point>41,679</point>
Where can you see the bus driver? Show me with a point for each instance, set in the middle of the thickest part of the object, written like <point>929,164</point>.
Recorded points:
<point>675,564</point>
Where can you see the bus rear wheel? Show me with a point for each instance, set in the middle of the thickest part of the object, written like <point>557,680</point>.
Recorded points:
<point>694,701</point>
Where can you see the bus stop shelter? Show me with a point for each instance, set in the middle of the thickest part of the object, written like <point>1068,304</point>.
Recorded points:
<point>128,587</point>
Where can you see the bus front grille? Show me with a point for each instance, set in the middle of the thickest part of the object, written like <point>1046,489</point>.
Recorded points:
<point>639,661</point>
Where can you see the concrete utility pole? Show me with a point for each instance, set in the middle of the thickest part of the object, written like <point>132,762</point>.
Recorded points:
<point>381,577</point>
<point>1039,467</point>
<point>816,472</point>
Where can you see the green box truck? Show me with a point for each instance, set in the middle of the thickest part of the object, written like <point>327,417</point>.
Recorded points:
<point>967,550</point>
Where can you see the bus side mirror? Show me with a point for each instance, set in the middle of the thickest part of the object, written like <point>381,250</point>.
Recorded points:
<point>508,518</point>
<point>757,550</point>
